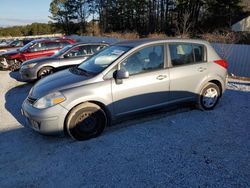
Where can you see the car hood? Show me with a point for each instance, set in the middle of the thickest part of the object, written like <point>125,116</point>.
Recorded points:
<point>56,82</point>
<point>38,60</point>
<point>9,47</point>
<point>11,52</point>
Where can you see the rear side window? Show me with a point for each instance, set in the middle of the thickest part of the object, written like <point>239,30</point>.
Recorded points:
<point>183,54</point>
<point>64,43</point>
<point>52,45</point>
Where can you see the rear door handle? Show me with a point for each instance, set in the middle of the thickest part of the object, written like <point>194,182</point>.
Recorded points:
<point>161,77</point>
<point>201,69</point>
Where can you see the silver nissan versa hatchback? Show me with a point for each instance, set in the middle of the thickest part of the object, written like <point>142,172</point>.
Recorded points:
<point>125,78</point>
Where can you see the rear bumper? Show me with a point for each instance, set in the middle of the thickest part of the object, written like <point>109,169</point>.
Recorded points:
<point>48,121</point>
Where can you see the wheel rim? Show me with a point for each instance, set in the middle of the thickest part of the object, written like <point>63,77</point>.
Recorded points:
<point>45,72</point>
<point>210,97</point>
<point>89,123</point>
<point>86,122</point>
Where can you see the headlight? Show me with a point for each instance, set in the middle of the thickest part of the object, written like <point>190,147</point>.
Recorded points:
<point>49,100</point>
<point>28,66</point>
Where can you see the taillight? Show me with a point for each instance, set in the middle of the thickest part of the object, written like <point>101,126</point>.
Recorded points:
<point>222,63</point>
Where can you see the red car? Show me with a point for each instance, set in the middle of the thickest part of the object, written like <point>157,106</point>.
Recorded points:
<point>37,48</point>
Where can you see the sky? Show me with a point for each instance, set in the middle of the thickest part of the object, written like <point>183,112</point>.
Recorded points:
<point>23,12</point>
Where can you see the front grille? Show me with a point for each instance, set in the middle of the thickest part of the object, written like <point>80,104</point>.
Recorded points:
<point>31,100</point>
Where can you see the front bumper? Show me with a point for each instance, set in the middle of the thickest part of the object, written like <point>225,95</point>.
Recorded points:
<point>3,64</point>
<point>27,75</point>
<point>49,121</point>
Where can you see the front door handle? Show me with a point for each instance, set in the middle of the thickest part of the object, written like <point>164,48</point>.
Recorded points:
<point>161,77</point>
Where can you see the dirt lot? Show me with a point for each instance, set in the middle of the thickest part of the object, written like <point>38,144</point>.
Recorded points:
<point>181,148</point>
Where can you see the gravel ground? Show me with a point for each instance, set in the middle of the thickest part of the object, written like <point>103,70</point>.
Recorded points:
<point>181,148</point>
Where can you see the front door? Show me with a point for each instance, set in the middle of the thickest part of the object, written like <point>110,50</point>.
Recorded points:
<point>147,85</point>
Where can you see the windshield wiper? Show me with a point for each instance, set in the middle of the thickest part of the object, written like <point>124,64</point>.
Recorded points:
<point>85,71</point>
<point>80,71</point>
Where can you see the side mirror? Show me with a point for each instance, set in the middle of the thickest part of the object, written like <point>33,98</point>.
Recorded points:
<point>121,74</point>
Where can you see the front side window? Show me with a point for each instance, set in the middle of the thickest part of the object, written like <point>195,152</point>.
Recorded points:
<point>183,54</point>
<point>75,52</point>
<point>146,59</point>
<point>62,51</point>
<point>26,47</point>
<point>37,47</point>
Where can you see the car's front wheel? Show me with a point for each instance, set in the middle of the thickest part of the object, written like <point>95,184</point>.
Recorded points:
<point>45,71</point>
<point>209,96</point>
<point>15,65</point>
<point>86,121</point>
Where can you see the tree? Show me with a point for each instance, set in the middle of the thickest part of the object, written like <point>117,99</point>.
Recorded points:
<point>63,12</point>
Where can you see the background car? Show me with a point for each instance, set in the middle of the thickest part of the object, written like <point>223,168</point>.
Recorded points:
<point>14,45</point>
<point>68,56</point>
<point>37,48</point>
<point>124,79</point>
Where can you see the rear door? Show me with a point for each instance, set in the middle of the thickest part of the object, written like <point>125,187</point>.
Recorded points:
<point>188,69</point>
<point>148,83</point>
<point>51,48</point>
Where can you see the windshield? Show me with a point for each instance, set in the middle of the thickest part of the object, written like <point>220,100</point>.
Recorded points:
<point>62,51</point>
<point>103,59</point>
<point>25,47</point>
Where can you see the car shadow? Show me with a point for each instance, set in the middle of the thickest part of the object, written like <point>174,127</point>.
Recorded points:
<point>14,99</point>
<point>15,75</point>
<point>150,115</point>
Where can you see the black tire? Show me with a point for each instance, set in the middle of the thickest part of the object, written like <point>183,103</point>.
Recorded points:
<point>45,71</point>
<point>209,97</point>
<point>85,121</point>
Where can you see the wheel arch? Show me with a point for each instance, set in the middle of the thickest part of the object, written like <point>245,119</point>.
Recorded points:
<point>212,79</point>
<point>98,103</point>
<point>218,83</point>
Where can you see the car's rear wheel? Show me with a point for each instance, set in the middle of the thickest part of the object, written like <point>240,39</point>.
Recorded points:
<point>209,97</point>
<point>85,121</point>
<point>45,71</point>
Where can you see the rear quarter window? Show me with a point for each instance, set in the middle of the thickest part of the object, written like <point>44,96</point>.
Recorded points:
<point>185,53</point>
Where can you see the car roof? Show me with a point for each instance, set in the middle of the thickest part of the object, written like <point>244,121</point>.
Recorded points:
<point>139,42</point>
<point>89,43</point>
<point>50,39</point>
